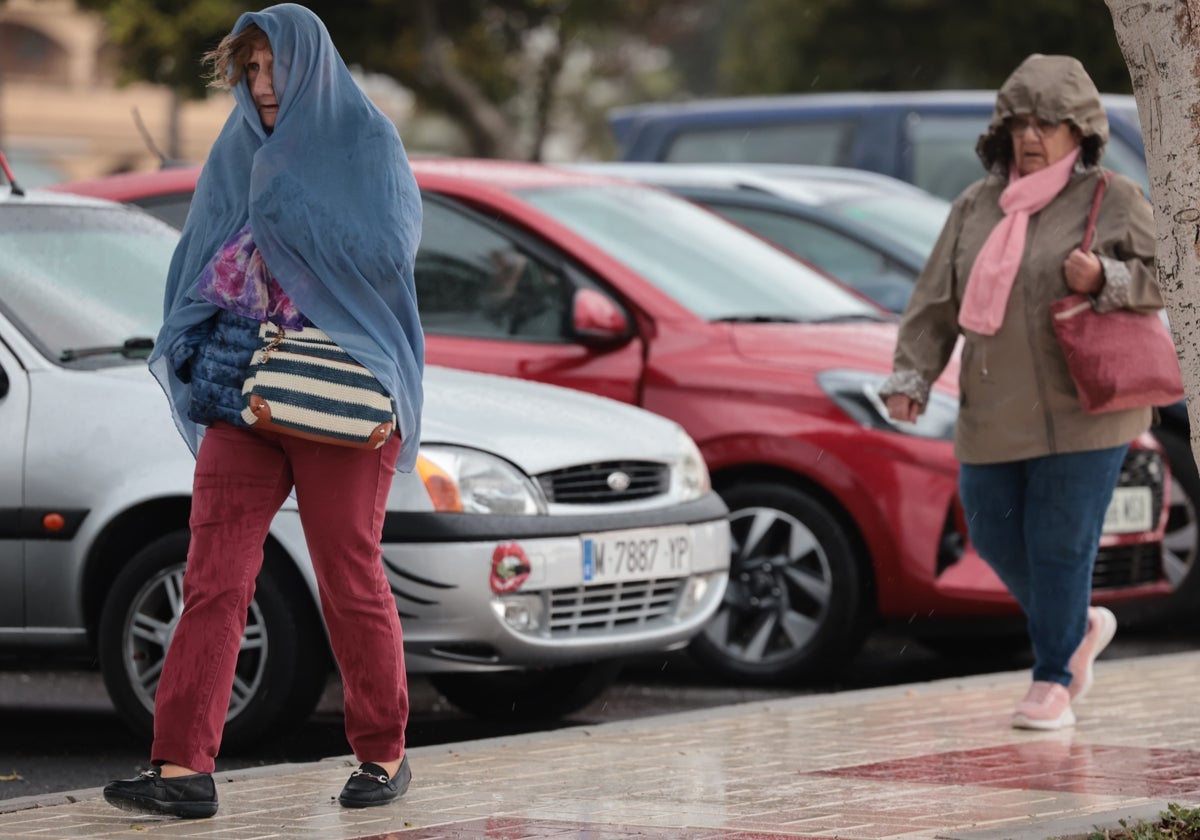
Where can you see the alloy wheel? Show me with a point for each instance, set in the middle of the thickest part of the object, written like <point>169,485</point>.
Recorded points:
<point>150,625</point>
<point>780,587</point>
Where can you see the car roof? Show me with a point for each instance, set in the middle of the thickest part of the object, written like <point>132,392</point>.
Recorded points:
<point>131,185</point>
<point>856,99</point>
<point>812,185</point>
<point>501,174</point>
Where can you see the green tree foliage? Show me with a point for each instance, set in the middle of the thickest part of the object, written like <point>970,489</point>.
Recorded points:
<point>162,40</point>
<point>492,67</point>
<point>776,46</point>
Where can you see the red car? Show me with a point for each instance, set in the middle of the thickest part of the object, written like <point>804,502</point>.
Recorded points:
<point>840,516</point>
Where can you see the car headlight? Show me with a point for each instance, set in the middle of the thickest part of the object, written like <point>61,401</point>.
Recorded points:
<point>689,472</point>
<point>857,393</point>
<point>469,481</point>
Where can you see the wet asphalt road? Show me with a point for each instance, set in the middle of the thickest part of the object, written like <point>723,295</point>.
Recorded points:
<point>58,731</point>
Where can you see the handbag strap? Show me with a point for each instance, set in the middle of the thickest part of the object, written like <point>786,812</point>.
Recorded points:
<point>1090,230</point>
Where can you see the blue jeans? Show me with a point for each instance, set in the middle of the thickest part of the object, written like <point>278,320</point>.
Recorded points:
<point>1037,523</point>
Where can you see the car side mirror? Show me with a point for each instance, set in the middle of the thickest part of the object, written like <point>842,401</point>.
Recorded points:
<point>597,320</point>
<point>3,383</point>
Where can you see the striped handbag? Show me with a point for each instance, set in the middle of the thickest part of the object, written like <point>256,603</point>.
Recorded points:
<point>303,384</point>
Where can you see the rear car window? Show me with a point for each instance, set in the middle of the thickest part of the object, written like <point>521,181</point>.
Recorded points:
<point>824,143</point>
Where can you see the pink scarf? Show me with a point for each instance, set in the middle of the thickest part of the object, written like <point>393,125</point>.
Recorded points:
<point>996,266</point>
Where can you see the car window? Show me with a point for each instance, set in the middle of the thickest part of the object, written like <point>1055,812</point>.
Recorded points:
<point>855,263</point>
<point>914,221</point>
<point>943,151</point>
<point>1119,157</point>
<point>944,160</point>
<point>711,267</point>
<point>172,209</point>
<point>824,143</point>
<point>76,277</point>
<point>473,281</point>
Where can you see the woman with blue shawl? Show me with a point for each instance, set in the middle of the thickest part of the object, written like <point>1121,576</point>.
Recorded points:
<point>306,213</point>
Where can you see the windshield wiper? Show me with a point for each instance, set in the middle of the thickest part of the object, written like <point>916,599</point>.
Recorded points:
<point>130,349</point>
<point>857,316</point>
<point>758,319</point>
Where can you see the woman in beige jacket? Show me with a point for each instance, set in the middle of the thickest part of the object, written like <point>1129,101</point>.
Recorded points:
<point>1037,471</point>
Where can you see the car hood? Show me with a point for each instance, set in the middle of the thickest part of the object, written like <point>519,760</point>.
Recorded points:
<point>816,347</point>
<point>535,426</point>
<point>539,427</point>
<point>812,348</point>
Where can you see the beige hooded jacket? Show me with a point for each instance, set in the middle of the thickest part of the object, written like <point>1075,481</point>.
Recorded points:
<point>1017,398</point>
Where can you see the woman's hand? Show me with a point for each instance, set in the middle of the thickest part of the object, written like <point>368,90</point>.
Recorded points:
<point>1083,271</point>
<point>903,408</point>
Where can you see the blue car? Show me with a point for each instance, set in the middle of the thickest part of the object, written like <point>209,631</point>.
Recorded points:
<point>926,138</point>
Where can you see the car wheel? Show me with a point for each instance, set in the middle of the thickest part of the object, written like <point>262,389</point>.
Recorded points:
<point>794,609</point>
<point>535,694</point>
<point>281,668</point>
<point>1182,540</point>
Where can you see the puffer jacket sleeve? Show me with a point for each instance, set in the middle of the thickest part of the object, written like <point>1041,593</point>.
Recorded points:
<point>1125,242</point>
<point>929,326</point>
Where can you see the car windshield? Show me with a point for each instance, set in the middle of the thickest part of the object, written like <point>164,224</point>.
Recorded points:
<point>84,283</point>
<point>913,221</point>
<point>712,267</point>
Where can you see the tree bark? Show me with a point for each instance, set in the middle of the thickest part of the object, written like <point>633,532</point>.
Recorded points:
<point>489,131</point>
<point>1160,40</point>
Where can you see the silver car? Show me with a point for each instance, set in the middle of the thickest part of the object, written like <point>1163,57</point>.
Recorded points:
<point>545,534</point>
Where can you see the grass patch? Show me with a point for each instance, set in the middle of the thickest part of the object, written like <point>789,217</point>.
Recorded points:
<point>1175,823</point>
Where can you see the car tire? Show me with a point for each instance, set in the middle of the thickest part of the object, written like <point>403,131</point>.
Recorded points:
<point>529,695</point>
<point>1181,543</point>
<point>282,667</point>
<point>796,608</point>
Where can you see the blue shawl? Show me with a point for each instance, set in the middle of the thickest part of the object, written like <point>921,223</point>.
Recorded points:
<point>335,212</point>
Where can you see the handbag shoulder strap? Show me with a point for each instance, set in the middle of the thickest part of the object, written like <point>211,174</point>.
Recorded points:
<point>1090,230</point>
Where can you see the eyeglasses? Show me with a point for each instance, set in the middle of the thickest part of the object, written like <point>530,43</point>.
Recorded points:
<point>1041,127</point>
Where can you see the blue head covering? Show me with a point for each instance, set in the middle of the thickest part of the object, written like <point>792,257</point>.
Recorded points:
<point>334,210</point>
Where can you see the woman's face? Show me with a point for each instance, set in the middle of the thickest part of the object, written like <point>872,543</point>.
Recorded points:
<point>260,69</point>
<point>1039,143</point>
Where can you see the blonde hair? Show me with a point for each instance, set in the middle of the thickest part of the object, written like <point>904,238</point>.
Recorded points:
<point>227,62</point>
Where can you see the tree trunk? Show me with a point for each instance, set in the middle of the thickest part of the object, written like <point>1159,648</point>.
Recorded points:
<point>488,130</point>
<point>1160,41</point>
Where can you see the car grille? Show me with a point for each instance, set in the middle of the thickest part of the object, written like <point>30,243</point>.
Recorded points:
<point>1144,468</point>
<point>613,481</point>
<point>580,610</point>
<point>1121,566</point>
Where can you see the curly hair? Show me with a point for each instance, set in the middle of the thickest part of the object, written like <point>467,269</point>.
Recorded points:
<point>996,152</point>
<point>227,62</point>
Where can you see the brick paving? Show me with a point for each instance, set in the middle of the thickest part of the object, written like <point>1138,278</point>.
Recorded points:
<point>918,762</point>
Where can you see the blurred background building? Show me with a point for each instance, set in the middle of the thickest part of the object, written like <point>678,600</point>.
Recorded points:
<point>62,115</point>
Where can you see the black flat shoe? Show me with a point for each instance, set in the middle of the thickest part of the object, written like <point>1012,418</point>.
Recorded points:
<point>190,797</point>
<point>369,785</point>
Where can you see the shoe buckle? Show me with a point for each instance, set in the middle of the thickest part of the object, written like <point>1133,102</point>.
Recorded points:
<point>379,777</point>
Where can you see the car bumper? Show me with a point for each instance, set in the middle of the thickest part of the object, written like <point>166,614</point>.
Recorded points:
<point>926,568</point>
<point>467,605</point>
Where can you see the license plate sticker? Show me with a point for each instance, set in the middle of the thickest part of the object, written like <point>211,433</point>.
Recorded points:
<point>640,554</point>
<point>1131,511</point>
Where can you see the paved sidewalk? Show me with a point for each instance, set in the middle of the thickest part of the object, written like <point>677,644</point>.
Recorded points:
<point>928,760</point>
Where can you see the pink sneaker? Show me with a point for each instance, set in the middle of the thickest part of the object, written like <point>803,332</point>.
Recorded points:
<point>1047,705</point>
<point>1102,626</point>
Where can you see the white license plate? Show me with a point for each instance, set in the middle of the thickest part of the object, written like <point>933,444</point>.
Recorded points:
<point>637,555</point>
<point>1131,511</point>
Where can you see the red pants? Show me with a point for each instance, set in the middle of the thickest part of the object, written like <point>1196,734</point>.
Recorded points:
<point>242,478</point>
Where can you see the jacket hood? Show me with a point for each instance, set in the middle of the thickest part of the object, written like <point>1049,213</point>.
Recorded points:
<point>1051,87</point>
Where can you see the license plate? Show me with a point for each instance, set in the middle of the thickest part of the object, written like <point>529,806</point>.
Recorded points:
<point>637,555</point>
<point>1130,511</point>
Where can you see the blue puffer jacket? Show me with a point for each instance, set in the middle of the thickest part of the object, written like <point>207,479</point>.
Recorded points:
<point>216,359</point>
